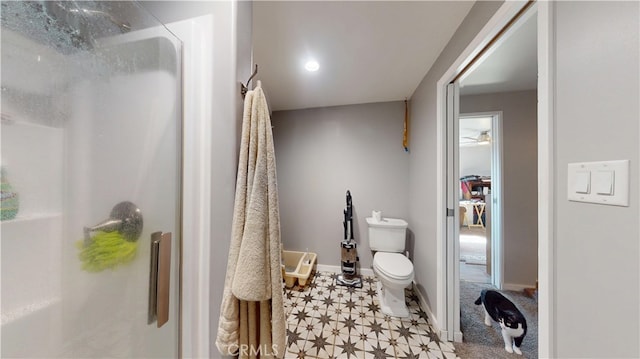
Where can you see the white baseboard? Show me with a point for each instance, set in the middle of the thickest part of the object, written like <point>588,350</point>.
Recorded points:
<point>457,337</point>
<point>336,269</point>
<point>517,287</point>
<point>427,309</point>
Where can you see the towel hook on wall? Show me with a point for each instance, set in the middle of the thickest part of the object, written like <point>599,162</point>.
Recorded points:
<point>245,88</point>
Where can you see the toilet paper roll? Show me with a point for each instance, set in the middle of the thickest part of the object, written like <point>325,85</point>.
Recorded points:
<point>377,215</point>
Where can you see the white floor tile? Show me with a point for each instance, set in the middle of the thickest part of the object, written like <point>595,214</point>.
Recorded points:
<point>326,320</point>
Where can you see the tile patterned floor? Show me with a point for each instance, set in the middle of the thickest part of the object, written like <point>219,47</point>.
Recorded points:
<point>326,320</point>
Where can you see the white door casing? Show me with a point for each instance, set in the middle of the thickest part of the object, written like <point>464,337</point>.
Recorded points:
<point>446,303</point>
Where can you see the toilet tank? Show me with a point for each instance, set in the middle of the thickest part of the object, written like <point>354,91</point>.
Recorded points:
<point>387,235</point>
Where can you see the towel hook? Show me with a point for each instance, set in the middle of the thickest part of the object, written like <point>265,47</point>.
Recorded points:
<point>245,88</point>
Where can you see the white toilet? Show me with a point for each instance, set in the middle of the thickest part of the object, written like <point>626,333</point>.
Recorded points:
<point>394,271</point>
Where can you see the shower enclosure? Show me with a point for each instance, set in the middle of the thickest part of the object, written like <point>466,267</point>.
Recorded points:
<point>91,163</point>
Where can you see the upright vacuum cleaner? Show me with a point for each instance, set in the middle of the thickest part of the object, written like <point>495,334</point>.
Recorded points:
<point>349,260</point>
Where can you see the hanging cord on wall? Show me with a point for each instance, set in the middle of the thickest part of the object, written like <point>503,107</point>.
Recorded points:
<point>405,137</point>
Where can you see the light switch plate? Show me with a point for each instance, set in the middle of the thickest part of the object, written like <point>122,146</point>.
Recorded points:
<point>609,182</point>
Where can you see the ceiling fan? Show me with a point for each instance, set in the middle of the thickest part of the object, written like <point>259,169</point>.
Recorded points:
<point>482,138</point>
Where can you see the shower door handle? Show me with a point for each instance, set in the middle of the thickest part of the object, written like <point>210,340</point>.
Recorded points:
<point>159,278</point>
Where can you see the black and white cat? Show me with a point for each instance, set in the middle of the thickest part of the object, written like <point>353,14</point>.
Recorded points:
<point>503,311</point>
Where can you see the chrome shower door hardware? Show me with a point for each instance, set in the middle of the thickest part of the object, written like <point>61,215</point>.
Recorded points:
<point>159,278</point>
<point>125,217</point>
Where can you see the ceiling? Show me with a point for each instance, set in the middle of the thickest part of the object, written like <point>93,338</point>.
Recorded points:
<point>368,51</point>
<point>512,65</point>
<point>374,51</point>
<point>471,127</point>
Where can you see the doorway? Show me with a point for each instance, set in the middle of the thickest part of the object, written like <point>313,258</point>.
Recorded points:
<point>508,19</point>
<point>480,199</point>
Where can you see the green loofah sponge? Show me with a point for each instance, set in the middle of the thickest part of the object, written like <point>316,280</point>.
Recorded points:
<point>9,201</point>
<point>106,250</point>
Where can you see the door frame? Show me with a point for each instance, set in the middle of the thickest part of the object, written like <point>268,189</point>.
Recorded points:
<point>452,220</point>
<point>497,256</point>
<point>194,329</point>
<point>546,174</point>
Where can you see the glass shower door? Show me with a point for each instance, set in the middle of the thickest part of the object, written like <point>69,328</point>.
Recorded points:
<point>91,128</point>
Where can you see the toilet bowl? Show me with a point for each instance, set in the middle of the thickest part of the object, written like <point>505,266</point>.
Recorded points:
<point>394,271</point>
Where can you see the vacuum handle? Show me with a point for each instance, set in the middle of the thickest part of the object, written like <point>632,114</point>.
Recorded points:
<point>349,210</point>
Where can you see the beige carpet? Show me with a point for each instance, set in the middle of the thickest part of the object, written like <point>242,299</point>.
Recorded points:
<point>480,341</point>
<point>473,245</point>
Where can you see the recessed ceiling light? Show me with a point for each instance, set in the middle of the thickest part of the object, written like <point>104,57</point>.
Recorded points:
<point>312,65</point>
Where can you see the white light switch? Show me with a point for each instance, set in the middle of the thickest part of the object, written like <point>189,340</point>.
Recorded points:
<point>582,182</point>
<point>604,182</point>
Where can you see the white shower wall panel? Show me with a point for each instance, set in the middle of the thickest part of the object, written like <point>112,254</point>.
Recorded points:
<point>32,157</point>
<point>31,257</point>
<point>31,244</point>
<point>35,333</point>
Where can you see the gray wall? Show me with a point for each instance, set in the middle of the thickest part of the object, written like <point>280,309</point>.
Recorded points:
<point>422,159</point>
<point>325,151</point>
<point>520,179</point>
<point>475,160</point>
<point>597,118</point>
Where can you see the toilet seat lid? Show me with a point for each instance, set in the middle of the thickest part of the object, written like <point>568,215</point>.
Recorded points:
<point>394,265</point>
